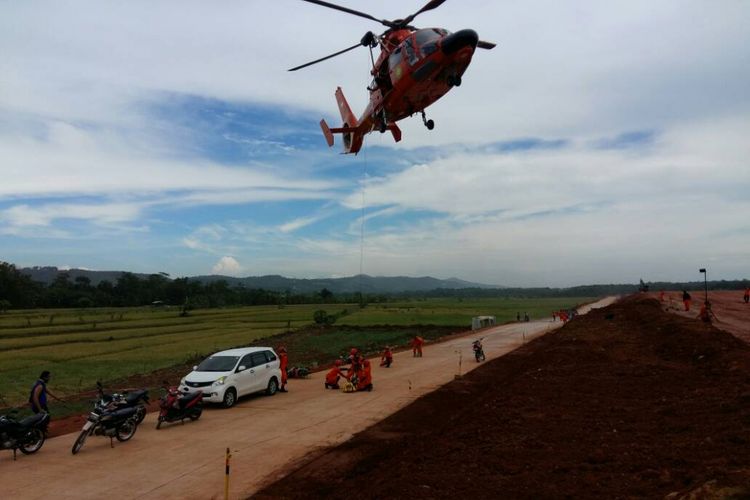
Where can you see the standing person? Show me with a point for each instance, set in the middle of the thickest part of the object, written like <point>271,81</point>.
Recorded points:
<point>387,357</point>
<point>518,316</point>
<point>686,298</point>
<point>746,297</point>
<point>283,362</point>
<point>661,296</point>
<point>39,392</point>
<point>526,316</point>
<point>416,346</point>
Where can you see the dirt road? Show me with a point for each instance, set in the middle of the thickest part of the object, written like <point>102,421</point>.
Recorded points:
<point>265,434</point>
<point>732,314</point>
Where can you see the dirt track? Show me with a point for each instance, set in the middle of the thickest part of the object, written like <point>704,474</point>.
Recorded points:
<point>626,402</point>
<point>265,434</point>
<point>732,314</point>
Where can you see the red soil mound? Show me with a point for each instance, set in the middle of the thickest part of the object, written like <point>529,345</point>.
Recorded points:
<point>627,401</point>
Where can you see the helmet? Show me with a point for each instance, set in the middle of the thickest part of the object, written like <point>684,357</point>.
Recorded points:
<point>354,351</point>
<point>282,349</point>
<point>338,362</point>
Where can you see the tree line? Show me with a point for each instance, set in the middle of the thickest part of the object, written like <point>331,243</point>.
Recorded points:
<point>19,291</point>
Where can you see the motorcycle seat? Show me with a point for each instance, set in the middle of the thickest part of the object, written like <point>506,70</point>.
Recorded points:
<point>33,420</point>
<point>133,397</point>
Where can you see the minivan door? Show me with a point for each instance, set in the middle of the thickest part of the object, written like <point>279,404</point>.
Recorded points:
<point>244,379</point>
<point>259,371</point>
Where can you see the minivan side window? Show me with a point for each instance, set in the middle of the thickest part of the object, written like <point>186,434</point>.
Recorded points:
<point>258,358</point>
<point>246,361</point>
<point>270,356</point>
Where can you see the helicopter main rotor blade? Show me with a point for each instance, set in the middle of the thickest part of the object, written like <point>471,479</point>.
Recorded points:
<point>351,11</point>
<point>486,45</point>
<point>432,4</point>
<point>326,57</point>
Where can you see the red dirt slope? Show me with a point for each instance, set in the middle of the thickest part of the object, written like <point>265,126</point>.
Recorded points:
<point>627,401</point>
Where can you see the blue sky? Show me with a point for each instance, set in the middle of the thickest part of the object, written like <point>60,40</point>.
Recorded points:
<point>596,144</point>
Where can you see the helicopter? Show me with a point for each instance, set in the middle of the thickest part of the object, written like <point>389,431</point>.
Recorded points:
<point>415,68</point>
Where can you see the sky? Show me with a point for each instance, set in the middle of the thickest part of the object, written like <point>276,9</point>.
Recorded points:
<point>599,142</point>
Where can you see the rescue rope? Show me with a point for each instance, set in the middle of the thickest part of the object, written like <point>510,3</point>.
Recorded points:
<point>362,227</point>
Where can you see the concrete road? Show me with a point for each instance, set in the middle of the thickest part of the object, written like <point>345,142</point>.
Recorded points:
<point>266,435</point>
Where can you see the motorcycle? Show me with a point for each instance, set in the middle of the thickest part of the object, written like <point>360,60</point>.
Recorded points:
<point>298,372</point>
<point>27,435</point>
<point>111,420</point>
<point>179,406</point>
<point>137,399</point>
<point>478,350</point>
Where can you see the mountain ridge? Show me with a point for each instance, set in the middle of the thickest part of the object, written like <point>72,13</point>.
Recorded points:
<point>275,282</point>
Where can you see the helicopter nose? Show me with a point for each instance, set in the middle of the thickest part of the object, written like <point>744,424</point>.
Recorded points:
<point>458,40</point>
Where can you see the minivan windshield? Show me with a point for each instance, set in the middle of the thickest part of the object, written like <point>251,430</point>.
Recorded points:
<point>218,364</point>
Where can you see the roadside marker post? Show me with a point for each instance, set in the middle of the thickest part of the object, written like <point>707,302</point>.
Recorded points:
<point>226,475</point>
<point>460,357</point>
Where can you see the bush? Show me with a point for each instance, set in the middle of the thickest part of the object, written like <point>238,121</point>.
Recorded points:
<point>320,317</point>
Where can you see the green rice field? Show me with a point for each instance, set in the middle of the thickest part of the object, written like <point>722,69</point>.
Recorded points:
<point>82,346</point>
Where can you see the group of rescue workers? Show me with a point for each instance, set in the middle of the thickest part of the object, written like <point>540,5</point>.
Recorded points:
<point>705,314</point>
<point>356,370</point>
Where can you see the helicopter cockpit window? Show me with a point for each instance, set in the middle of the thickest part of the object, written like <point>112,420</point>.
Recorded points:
<point>411,54</point>
<point>427,41</point>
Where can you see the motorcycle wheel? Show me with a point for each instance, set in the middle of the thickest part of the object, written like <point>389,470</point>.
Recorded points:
<point>196,414</point>
<point>32,442</point>
<point>126,430</point>
<point>79,442</point>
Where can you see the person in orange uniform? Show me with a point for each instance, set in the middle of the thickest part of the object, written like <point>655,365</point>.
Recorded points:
<point>387,357</point>
<point>706,314</point>
<point>283,362</point>
<point>686,298</point>
<point>334,375</point>
<point>416,346</point>
<point>364,376</point>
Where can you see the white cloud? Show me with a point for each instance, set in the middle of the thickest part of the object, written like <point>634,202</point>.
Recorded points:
<point>227,266</point>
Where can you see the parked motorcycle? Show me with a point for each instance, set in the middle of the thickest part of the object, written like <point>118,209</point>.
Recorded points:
<point>179,406</point>
<point>109,419</point>
<point>137,399</point>
<point>27,435</point>
<point>478,350</point>
<point>298,372</point>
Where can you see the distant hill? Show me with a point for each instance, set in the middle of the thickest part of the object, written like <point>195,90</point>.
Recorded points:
<point>352,284</point>
<point>47,274</point>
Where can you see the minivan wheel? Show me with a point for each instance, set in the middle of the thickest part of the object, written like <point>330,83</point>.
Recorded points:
<point>230,397</point>
<point>273,386</point>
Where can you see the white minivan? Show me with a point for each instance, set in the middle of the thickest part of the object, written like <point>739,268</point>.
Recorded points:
<point>227,375</point>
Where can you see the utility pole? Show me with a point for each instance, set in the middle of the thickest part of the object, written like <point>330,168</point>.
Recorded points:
<point>705,281</point>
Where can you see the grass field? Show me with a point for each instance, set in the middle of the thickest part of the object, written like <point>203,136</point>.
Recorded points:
<point>82,346</point>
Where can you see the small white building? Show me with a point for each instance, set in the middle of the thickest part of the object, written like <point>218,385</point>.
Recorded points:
<point>478,322</point>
